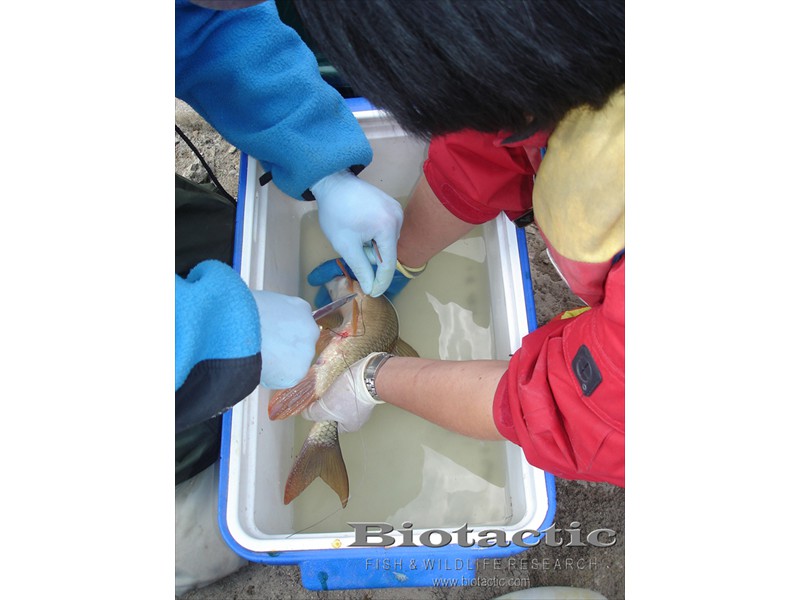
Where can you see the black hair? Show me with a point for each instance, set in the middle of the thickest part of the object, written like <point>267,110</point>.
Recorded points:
<point>439,66</point>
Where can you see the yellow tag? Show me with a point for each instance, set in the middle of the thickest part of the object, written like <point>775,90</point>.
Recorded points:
<point>574,313</point>
<point>410,272</point>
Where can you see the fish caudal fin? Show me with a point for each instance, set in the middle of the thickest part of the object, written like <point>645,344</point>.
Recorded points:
<point>321,456</point>
<point>289,402</point>
<point>402,348</point>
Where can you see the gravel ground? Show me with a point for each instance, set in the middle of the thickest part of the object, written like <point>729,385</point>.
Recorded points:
<point>594,505</point>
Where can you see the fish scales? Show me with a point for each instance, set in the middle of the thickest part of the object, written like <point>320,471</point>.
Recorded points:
<point>376,332</point>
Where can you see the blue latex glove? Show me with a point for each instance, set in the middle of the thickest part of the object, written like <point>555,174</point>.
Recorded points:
<point>353,213</point>
<point>328,270</point>
<point>288,338</point>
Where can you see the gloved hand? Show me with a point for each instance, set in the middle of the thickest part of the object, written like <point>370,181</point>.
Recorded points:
<point>352,213</point>
<point>347,400</point>
<point>288,338</point>
<point>328,270</point>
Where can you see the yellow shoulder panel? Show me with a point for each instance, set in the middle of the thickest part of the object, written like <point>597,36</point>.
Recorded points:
<point>579,194</point>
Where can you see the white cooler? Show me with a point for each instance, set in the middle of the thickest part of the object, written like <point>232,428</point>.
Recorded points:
<point>475,300</point>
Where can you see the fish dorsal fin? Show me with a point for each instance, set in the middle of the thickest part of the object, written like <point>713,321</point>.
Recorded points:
<point>321,456</point>
<point>402,348</point>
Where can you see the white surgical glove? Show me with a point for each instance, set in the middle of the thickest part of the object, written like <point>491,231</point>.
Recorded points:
<point>288,338</point>
<point>352,213</point>
<point>347,401</point>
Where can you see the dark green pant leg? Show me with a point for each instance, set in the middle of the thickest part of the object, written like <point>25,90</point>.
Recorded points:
<point>204,229</point>
<point>204,225</point>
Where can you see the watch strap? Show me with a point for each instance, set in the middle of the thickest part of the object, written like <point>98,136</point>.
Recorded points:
<point>375,362</point>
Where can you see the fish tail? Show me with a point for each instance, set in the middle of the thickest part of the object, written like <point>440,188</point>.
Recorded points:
<point>289,402</point>
<point>319,458</point>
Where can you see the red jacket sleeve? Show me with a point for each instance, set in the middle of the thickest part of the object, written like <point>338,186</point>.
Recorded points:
<point>476,178</point>
<point>541,406</point>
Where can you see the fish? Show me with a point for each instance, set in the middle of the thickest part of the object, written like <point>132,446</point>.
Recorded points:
<point>356,330</point>
<point>320,456</point>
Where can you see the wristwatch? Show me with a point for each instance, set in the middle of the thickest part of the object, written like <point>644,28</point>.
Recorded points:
<point>371,371</point>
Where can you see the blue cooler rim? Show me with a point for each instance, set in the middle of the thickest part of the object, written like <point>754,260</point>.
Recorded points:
<point>298,557</point>
<point>359,104</point>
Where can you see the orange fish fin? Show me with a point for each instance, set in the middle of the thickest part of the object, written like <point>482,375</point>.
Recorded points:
<point>402,348</point>
<point>319,458</point>
<point>355,318</point>
<point>289,402</point>
<point>345,273</point>
<point>377,252</point>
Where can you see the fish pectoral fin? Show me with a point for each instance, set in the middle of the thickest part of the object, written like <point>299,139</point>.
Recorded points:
<point>289,402</point>
<point>402,348</point>
<point>319,458</point>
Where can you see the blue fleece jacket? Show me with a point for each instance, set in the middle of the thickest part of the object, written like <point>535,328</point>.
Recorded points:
<point>217,342</point>
<point>254,80</point>
<point>258,84</point>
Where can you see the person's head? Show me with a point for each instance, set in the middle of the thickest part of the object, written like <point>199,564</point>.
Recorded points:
<point>492,65</point>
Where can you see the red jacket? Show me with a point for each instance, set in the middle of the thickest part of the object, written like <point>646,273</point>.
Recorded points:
<point>563,397</point>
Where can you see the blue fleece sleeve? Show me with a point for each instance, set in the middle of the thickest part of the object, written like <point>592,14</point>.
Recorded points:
<point>258,84</point>
<point>216,319</point>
